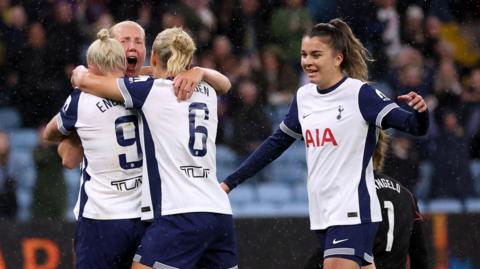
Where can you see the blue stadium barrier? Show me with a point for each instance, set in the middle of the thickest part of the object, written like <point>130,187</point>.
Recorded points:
<point>25,174</point>
<point>242,195</point>
<point>9,118</point>
<point>274,193</point>
<point>24,138</point>
<point>300,192</point>
<point>227,161</point>
<point>445,206</point>
<point>72,181</point>
<point>257,210</point>
<point>472,205</point>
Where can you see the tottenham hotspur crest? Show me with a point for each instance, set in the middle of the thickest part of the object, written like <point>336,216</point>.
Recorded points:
<point>340,109</point>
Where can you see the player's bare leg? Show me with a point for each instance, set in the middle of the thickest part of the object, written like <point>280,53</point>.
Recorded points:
<point>371,266</point>
<point>136,265</point>
<point>337,263</point>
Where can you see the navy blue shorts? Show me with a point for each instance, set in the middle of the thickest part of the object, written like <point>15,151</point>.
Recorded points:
<point>189,240</point>
<point>107,243</point>
<point>352,242</point>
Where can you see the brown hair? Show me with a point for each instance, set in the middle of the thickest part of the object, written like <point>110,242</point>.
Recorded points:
<point>380,150</point>
<point>342,39</point>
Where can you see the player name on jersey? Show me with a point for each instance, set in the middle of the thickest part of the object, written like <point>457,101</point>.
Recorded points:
<point>106,104</point>
<point>381,183</point>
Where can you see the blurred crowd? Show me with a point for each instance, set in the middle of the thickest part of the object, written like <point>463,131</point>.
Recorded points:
<point>427,46</point>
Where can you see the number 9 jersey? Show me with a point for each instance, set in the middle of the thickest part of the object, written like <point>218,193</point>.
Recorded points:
<point>179,142</point>
<point>112,164</point>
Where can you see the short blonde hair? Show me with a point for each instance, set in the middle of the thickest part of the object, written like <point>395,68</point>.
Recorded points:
<point>126,23</point>
<point>106,54</point>
<point>174,49</point>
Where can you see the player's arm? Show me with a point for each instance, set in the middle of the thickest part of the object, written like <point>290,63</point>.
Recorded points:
<point>268,151</point>
<point>71,151</point>
<point>382,112</point>
<point>102,86</point>
<point>185,82</point>
<point>51,132</point>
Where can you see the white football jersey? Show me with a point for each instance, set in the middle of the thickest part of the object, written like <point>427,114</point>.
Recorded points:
<point>112,167</point>
<point>339,126</point>
<point>179,142</point>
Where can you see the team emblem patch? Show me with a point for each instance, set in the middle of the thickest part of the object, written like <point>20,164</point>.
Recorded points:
<point>381,95</point>
<point>340,109</point>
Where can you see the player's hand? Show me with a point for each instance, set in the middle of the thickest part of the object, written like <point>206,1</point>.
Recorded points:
<point>414,100</point>
<point>77,75</point>
<point>185,82</point>
<point>225,187</point>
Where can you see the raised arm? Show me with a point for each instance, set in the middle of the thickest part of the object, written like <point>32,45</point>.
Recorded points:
<point>185,82</point>
<point>102,86</point>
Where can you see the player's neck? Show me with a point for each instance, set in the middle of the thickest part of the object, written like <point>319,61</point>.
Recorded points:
<point>159,73</point>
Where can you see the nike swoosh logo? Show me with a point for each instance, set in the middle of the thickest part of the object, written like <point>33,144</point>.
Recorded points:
<point>339,241</point>
<point>304,116</point>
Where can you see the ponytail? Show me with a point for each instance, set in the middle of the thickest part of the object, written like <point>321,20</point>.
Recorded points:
<point>106,54</point>
<point>380,151</point>
<point>175,49</point>
<point>342,39</point>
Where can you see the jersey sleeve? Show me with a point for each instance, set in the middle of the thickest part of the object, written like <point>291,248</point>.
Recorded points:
<point>135,90</point>
<point>290,124</point>
<point>68,115</point>
<point>374,105</point>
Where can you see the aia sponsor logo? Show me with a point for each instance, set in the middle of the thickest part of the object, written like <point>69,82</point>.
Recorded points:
<point>320,138</point>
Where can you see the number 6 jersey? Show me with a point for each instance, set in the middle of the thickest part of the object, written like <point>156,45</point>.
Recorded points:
<point>112,167</point>
<point>179,141</point>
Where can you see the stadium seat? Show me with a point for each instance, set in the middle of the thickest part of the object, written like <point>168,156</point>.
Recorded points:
<point>445,206</point>
<point>9,118</point>
<point>291,165</point>
<point>300,192</point>
<point>72,180</point>
<point>227,161</point>
<point>472,205</point>
<point>25,174</point>
<point>24,138</point>
<point>274,193</point>
<point>242,194</point>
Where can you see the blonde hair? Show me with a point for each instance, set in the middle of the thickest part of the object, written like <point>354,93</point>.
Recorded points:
<point>342,39</point>
<point>106,54</point>
<point>174,49</point>
<point>380,151</point>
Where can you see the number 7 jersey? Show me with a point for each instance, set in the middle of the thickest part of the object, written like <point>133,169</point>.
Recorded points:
<point>112,167</point>
<point>179,141</point>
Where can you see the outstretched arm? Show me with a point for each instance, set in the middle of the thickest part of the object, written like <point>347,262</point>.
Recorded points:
<point>102,86</point>
<point>266,153</point>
